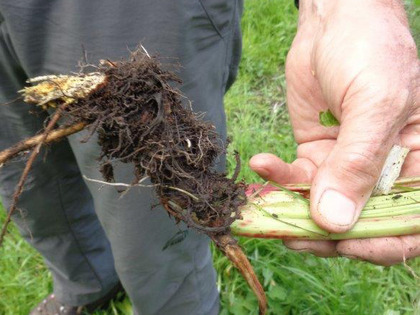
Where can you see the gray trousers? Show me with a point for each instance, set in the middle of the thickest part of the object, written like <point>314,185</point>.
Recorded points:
<point>90,237</point>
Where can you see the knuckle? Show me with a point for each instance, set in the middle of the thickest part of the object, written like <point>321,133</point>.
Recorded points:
<point>361,165</point>
<point>381,91</point>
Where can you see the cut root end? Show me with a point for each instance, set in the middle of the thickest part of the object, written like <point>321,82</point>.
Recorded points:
<point>228,245</point>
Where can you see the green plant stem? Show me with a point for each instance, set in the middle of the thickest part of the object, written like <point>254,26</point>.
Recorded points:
<point>279,214</point>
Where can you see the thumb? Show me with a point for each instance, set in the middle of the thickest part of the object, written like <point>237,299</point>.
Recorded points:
<point>345,180</point>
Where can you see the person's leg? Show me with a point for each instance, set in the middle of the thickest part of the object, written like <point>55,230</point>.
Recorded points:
<point>200,36</point>
<point>59,219</point>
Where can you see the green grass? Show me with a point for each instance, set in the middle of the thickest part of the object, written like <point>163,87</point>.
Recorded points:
<point>295,283</point>
<point>255,105</point>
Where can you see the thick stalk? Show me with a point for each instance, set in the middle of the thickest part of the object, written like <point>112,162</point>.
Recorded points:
<point>279,214</point>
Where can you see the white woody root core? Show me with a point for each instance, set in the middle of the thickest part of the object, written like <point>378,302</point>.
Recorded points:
<point>391,170</point>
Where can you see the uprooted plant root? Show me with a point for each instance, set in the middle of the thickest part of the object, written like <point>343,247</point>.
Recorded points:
<point>140,119</point>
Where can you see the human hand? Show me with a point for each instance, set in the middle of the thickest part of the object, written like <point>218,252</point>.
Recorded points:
<point>358,59</point>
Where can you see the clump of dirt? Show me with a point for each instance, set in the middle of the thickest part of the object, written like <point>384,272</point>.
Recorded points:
<point>140,119</point>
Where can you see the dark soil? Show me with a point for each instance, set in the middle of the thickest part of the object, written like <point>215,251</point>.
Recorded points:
<point>140,119</point>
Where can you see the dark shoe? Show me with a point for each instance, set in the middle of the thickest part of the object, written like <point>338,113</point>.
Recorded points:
<point>51,306</point>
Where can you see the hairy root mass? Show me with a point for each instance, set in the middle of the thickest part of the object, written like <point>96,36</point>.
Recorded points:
<point>140,119</point>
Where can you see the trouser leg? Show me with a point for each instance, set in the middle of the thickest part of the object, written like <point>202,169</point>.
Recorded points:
<point>197,34</point>
<point>58,214</point>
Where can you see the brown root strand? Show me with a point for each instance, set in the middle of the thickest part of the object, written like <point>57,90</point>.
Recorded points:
<point>29,143</point>
<point>230,248</point>
<point>25,173</point>
<point>228,245</point>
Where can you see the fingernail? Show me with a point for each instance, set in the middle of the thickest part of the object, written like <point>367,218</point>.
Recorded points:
<point>336,208</point>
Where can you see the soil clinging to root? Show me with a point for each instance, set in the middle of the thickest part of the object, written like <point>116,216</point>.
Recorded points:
<point>140,119</point>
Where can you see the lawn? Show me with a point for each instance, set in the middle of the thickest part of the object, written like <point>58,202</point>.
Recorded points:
<point>295,283</point>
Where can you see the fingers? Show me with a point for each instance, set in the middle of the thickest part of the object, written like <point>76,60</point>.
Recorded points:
<point>302,170</point>
<point>272,168</point>
<point>385,251</point>
<point>345,180</point>
<point>318,248</point>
